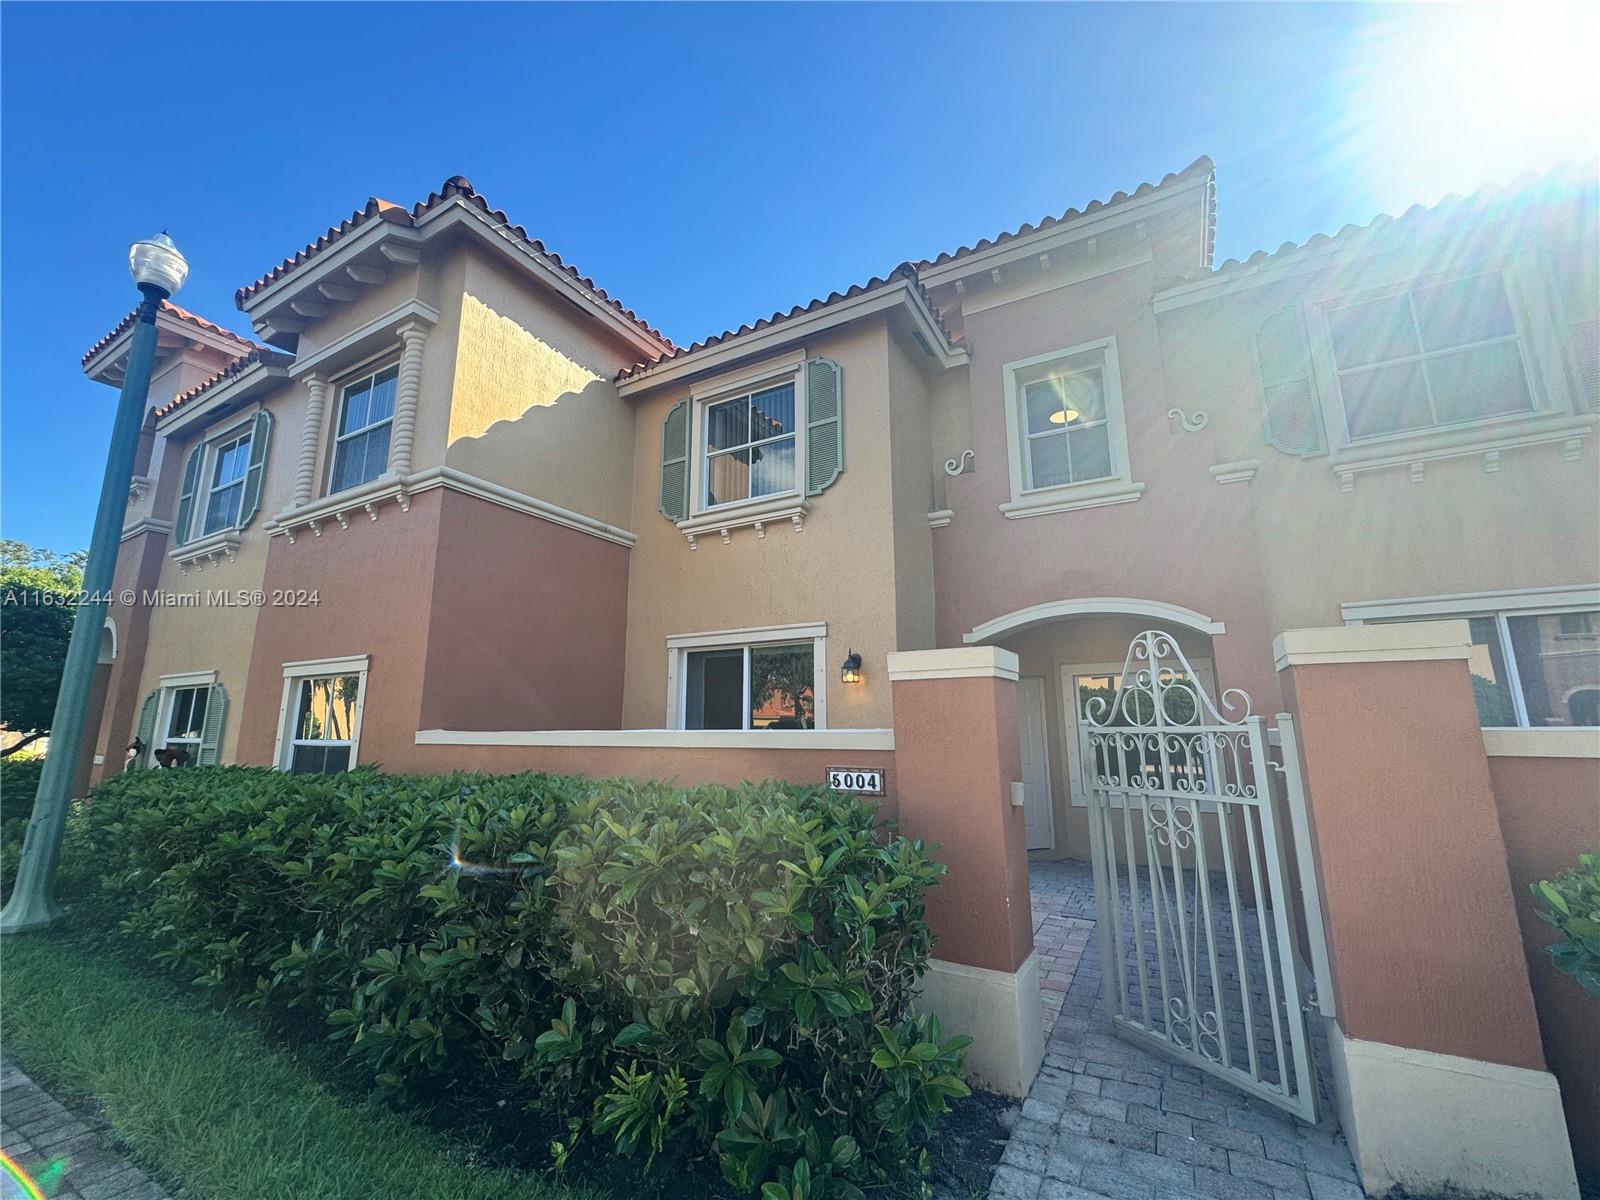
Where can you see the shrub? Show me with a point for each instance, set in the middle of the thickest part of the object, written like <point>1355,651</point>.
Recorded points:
<point>19,783</point>
<point>1572,902</point>
<point>721,969</point>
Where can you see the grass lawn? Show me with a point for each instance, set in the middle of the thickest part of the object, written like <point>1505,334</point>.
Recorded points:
<point>206,1104</point>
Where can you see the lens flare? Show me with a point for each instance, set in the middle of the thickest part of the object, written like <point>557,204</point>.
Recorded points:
<point>14,1172</point>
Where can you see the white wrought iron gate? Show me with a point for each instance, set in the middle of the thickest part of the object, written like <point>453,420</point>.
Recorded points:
<point>1198,954</point>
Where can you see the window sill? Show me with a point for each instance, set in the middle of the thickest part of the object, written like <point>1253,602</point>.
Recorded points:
<point>1056,500</point>
<point>1486,439</point>
<point>668,739</point>
<point>1551,742</point>
<point>757,516</point>
<point>362,500</point>
<point>210,549</point>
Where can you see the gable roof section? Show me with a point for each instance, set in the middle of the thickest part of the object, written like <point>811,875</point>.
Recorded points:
<point>1488,202</point>
<point>258,355</point>
<point>905,274</point>
<point>456,186</point>
<point>1200,168</point>
<point>168,308</point>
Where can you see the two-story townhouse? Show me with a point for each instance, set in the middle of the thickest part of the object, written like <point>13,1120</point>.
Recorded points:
<point>486,515</point>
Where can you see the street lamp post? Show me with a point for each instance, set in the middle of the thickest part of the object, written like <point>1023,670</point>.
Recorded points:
<point>159,270</point>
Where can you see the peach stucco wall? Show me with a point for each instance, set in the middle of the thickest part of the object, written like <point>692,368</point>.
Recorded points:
<point>1422,929</point>
<point>1549,813</point>
<point>527,623</point>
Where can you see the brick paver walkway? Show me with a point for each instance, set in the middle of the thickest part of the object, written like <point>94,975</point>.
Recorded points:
<point>60,1148</point>
<point>1108,1119</point>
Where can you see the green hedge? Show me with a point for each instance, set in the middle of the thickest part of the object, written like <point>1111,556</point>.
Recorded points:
<point>728,969</point>
<point>19,782</point>
<point>1572,905</point>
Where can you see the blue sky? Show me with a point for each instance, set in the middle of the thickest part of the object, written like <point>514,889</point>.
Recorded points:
<point>707,165</point>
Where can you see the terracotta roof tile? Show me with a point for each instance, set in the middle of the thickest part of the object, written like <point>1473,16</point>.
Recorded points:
<point>1201,168</point>
<point>259,354</point>
<point>905,271</point>
<point>1484,200</point>
<point>171,309</point>
<point>456,185</point>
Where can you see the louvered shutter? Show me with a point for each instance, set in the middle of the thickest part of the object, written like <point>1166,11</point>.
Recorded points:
<point>1587,336</point>
<point>1289,405</point>
<point>675,463</point>
<point>824,424</point>
<point>191,480</point>
<point>211,728</point>
<point>260,440</point>
<point>147,726</point>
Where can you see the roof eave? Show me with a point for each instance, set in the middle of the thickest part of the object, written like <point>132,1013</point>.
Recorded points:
<point>240,388</point>
<point>106,362</point>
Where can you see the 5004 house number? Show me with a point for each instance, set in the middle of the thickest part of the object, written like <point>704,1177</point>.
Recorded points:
<point>866,781</point>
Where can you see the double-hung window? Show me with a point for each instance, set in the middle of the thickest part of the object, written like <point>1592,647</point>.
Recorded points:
<point>182,725</point>
<point>749,679</point>
<point>749,447</point>
<point>366,416</point>
<point>1430,357</point>
<point>230,460</point>
<point>322,705</point>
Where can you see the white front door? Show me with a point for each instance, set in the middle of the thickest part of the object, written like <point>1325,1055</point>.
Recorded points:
<point>1031,725</point>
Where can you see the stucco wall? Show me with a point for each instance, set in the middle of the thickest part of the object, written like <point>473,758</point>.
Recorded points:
<point>1549,813</point>
<point>911,442</point>
<point>532,403</point>
<point>840,570</point>
<point>527,623</point>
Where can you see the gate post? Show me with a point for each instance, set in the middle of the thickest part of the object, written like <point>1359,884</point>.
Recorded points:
<point>957,757</point>
<point>1437,1065</point>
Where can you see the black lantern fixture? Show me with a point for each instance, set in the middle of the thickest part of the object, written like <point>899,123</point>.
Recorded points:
<point>850,672</point>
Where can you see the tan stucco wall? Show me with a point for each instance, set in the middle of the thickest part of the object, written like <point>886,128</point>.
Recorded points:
<point>840,570</point>
<point>911,441</point>
<point>532,403</point>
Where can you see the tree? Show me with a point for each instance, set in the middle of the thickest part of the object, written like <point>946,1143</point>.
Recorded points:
<point>38,594</point>
<point>783,675</point>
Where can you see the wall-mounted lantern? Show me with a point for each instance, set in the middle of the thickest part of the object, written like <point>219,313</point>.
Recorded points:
<point>850,672</point>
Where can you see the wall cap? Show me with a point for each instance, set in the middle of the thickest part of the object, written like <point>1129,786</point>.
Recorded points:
<point>956,662</point>
<point>1408,641</point>
<point>1542,743</point>
<point>667,739</point>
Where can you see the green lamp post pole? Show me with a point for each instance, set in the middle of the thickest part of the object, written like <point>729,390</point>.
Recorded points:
<point>159,270</point>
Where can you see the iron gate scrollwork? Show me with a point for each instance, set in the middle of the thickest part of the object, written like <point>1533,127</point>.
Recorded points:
<point>1195,915</point>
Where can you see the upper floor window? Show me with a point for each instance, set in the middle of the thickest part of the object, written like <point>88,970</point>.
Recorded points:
<point>749,447</point>
<point>1434,356</point>
<point>230,460</point>
<point>366,415</point>
<point>1068,439</point>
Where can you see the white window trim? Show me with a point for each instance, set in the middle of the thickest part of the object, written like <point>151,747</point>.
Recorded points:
<point>339,385</point>
<point>1521,602</point>
<point>679,645</point>
<point>1548,390</point>
<point>780,506</point>
<point>293,673</point>
<point>170,685</point>
<point>244,430</point>
<point>1117,488</point>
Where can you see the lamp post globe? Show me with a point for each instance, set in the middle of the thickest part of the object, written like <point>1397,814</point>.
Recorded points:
<point>159,270</point>
<point>155,262</point>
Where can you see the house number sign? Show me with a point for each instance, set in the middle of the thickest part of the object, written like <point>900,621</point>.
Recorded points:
<point>867,781</point>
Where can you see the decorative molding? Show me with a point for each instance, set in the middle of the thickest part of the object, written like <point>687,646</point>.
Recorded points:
<point>1058,500</point>
<point>757,517</point>
<point>1471,604</point>
<point>1102,606</point>
<point>956,662</point>
<point>347,665</point>
<point>139,486</point>
<point>412,334</point>
<point>146,525</point>
<point>1242,471</point>
<point>1191,424</point>
<point>188,679</point>
<point>1553,742</point>
<point>940,517</point>
<point>213,548</point>
<point>327,356</point>
<point>1406,641</point>
<point>958,464</point>
<point>667,739</point>
<point>806,631</point>
<point>1090,268</point>
<point>1414,451</point>
<point>310,436</point>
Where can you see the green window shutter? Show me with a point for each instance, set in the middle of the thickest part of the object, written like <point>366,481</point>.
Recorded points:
<point>147,726</point>
<point>675,463</point>
<point>255,475</point>
<point>211,729</point>
<point>191,480</point>
<point>1288,394</point>
<point>824,424</point>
